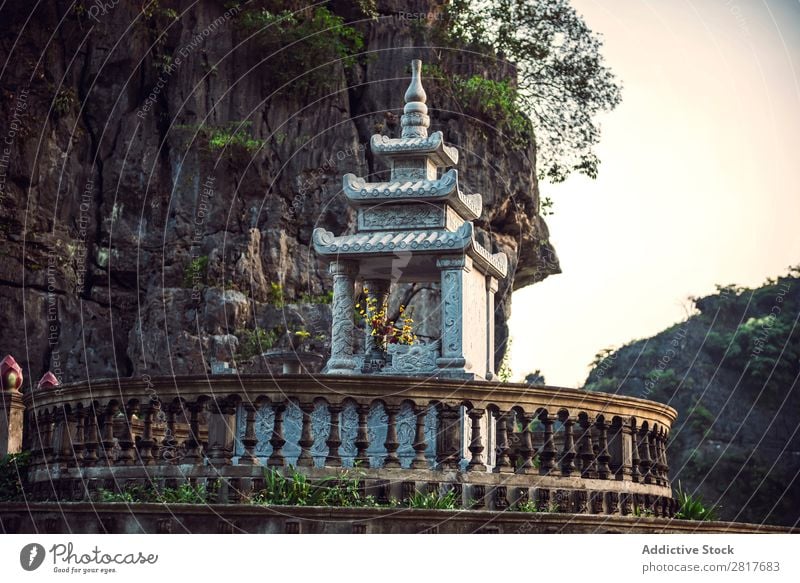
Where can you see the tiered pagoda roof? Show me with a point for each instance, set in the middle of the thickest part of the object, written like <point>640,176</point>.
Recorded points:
<point>421,208</point>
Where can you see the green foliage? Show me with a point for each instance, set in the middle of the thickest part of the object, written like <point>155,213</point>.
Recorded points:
<point>546,206</point>
<point>497,100</point>
<point>504,372</point>
<point>275,295</point>
<point>433,500</point>
<point>563,80</point>
<point>232,136</point>
<point>324,298</point>
<point>64,101</point>
<point>197,272</point>
<point>602,355</point>
<point>346,490</point>
<point>494,101</point>
<point>692,507</point>
<point>603,385</point>
<point>183,494</point>
<point>535,378</point>
<point>526,506</point>
<point>256,341</point>
<point>13,469</point>
<point>663,379</point>
<point>301,46</point>
<point>295,489</point>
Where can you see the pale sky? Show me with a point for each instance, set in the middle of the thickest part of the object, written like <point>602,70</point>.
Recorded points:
<point>699,182</point>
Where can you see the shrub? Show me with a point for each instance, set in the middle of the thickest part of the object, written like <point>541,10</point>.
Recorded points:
<point>183,494</point>
<point>197,272</point>
<point>433,500</point>
<point>691,507</point>
<point>302,45</point>
<point>254,342</point>
<point>13,469</point>
<point>275,295</point>
<point>324,298</point>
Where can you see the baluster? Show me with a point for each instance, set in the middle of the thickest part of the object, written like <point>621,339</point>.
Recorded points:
<point>146,444</point>
<point>65,447</point>
<point>644,453</point>
<point>108,433</point>
<point>603,457</point>
<point>568,449</point>
<point>503,463</point>
<point>548,454</point>
<point>169,444</point>
<point>334,441</point>
<point>420,444</point>
<point>476,442</point>
<point>37,455</point>
<point>526,449</point>
<point>448,438</point>
<point>45,431</point>
<point>277,441</point>
<point>126,441</point>
<point>91,433</point>
<point>616,449</point>
<point>362,437</point>
<point>662,457</point>
<point>635,474</point>
<point>221,432</point>
<point>249,440</point>
<point>659,444</point>
<point>653,457</point>
<point>392,443</point>
<point>78,440</point>
<point>193,446</point>
<point>585,448</point>
<point>306,442</point>
<point>47,449</point>
<point>653,451</point>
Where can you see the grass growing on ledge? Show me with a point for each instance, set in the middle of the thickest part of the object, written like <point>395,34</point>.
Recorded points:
<point>433,500</point>
<point>295,489</point>
<point>183,494</point>
<point>692,507</point>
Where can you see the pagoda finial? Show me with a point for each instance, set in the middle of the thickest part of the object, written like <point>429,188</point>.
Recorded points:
<point>415,120</point>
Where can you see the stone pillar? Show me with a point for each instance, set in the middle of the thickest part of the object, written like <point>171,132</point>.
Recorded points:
<point>13,408</point>
<point>221,432</point>
<point>377,291</point>
<point>491,289</point>
<point>453,272</point>
<point>341,361</point>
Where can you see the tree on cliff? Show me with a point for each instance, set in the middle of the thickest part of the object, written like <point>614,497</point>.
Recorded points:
<point>563,81</point>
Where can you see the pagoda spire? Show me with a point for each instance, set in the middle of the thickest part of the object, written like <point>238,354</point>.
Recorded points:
<point>415,120</point>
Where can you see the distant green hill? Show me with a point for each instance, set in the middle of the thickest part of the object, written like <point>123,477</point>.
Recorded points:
<point>732,372</point>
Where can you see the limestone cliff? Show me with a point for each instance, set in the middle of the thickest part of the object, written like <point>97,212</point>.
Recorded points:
<point>164,169</point>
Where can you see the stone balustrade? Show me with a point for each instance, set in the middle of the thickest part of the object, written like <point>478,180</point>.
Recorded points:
<point>495,445</point>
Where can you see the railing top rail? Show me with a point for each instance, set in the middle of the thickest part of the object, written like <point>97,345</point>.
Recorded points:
<point>337,388</point>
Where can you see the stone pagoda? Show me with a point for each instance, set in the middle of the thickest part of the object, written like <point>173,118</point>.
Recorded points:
<point>417,227</point>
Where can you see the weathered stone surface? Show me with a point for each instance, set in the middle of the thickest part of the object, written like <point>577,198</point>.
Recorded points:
<point>111,191</point>
<point>91,517</point>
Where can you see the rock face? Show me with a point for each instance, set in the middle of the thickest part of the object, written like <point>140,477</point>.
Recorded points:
<point>135,241</point>
<point>732,373</point>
